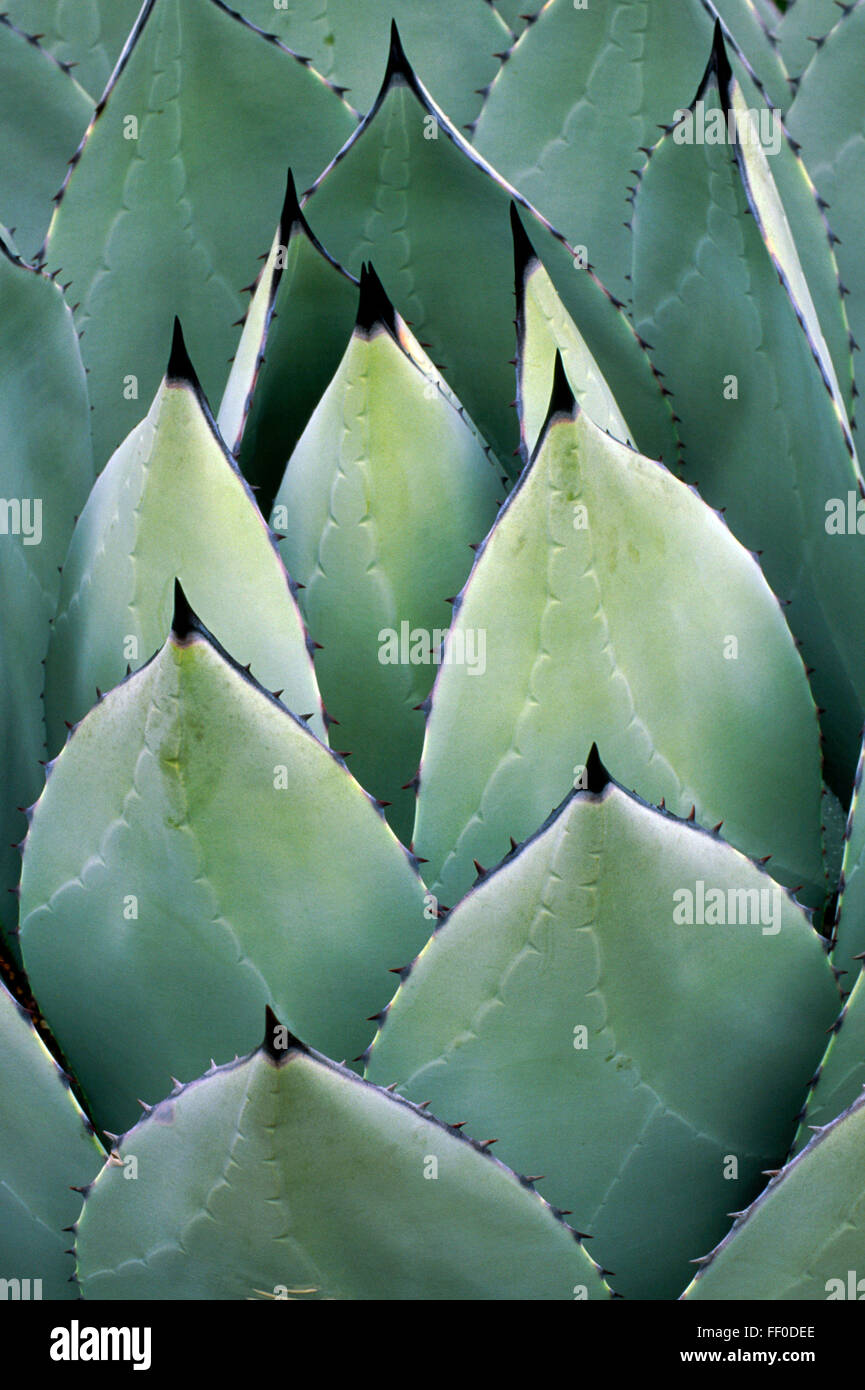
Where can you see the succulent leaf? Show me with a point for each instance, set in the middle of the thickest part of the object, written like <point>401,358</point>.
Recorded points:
<point>222,859</point>
<point>840,1077</point>
<point>849,931</point>
<point>610,74</point>
<point>453,42</point>
<point>385,492</point>
<point>164,211</point>
<point>698,1037</point>
<point>801,30</point>
<point>170,499</point>
<point>43,404</point>
<point>545,329</point>
<point>43,115</point>
<point>86,35</point>
<point>337,1191</point>
<point>48,1148</point>
<point>295,332</point>
<point>606,620</point>
<point>828,119</point>
<point>765,431</point>
<point>804,1236</point>
<point>409,193</point>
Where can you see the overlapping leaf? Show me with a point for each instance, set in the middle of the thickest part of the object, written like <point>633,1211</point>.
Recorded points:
<point>849,932</point>
<point>337,1191</point>
<point>763,419</point>
<point>804,1237</point>
<point>48,1148</point>
<point>410,194</point>
<point>171,502</point>
<point>610,74</point>
<point>46,469</point>
<point>802,29</point>
<point>43,115</point>
<point>618,608</point>
<point>453,43</point>
<point>839,1079</point>
<point>165,210</point>
<point>385,492</point>
<point>294,336</point>
<point>631,1007</point>
<point>86,34</point>
<point>220,858</point>
<point>828,119</point>
<point>544,329</point>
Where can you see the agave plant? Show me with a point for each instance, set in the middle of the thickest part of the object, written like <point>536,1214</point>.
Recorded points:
<point>271,731</point>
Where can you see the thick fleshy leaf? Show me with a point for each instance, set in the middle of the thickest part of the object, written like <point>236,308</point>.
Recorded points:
<point>545,328</point>
<point>48,1147</point>
<point>849,932</point>
<point>752,33</point>
<point>617,608</point>
<point>765,431</point>
<point>556,1004</point>
<point>43,115</point>
<point>610,74</point>
<point>381,500</point>
<point>43,405</point>
<point>87,34</point>
<point>828,119</point>
<point>222,859</point>
<point>166,210</point>
<point>801,30</point>
<point>293,339</point>
<point>804,1237</point>
<point>517,13</point>
<point>410,194</point>
<point>337,1191</point>
<point>839,1079</point>
<point>453,43</point>
<point>171,503</point>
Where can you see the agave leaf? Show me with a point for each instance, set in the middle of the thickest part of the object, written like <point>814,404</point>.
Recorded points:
<point>752,33</point>
<point>43,401</point>
<point>48,1147</point>
<point>84,34</point>
<point>805,1234</point>
<point>840,1077</point>
<point>424,1213</point>
<point>43,115</point>
<point>385,492</point>
<point>802,29</point>
<point>164,211</point>
<point>169,501</point>
<point>555,1005</point>
<point>454,44</point>
<point>610,74</point>
<point>294,336</point>
<point>828,119</point>
<point>409,193</point>
<point>545,328</point>
<point>605,620</point>
<point>222,859</point>
<point>763,421</point>
<point>518,13</point>
<point>849,930</point>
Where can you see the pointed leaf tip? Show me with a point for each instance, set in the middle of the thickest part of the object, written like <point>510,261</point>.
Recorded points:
<point>718,65</point>
<point>398,65</point>
<point>180,367</point>
<point>597,776</point>
<point>291,214</point>
<point>184,621</point>
<point>373,306</point>
<point>562,398</point>
<point>524,253</point>
<point>278,1040</point>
